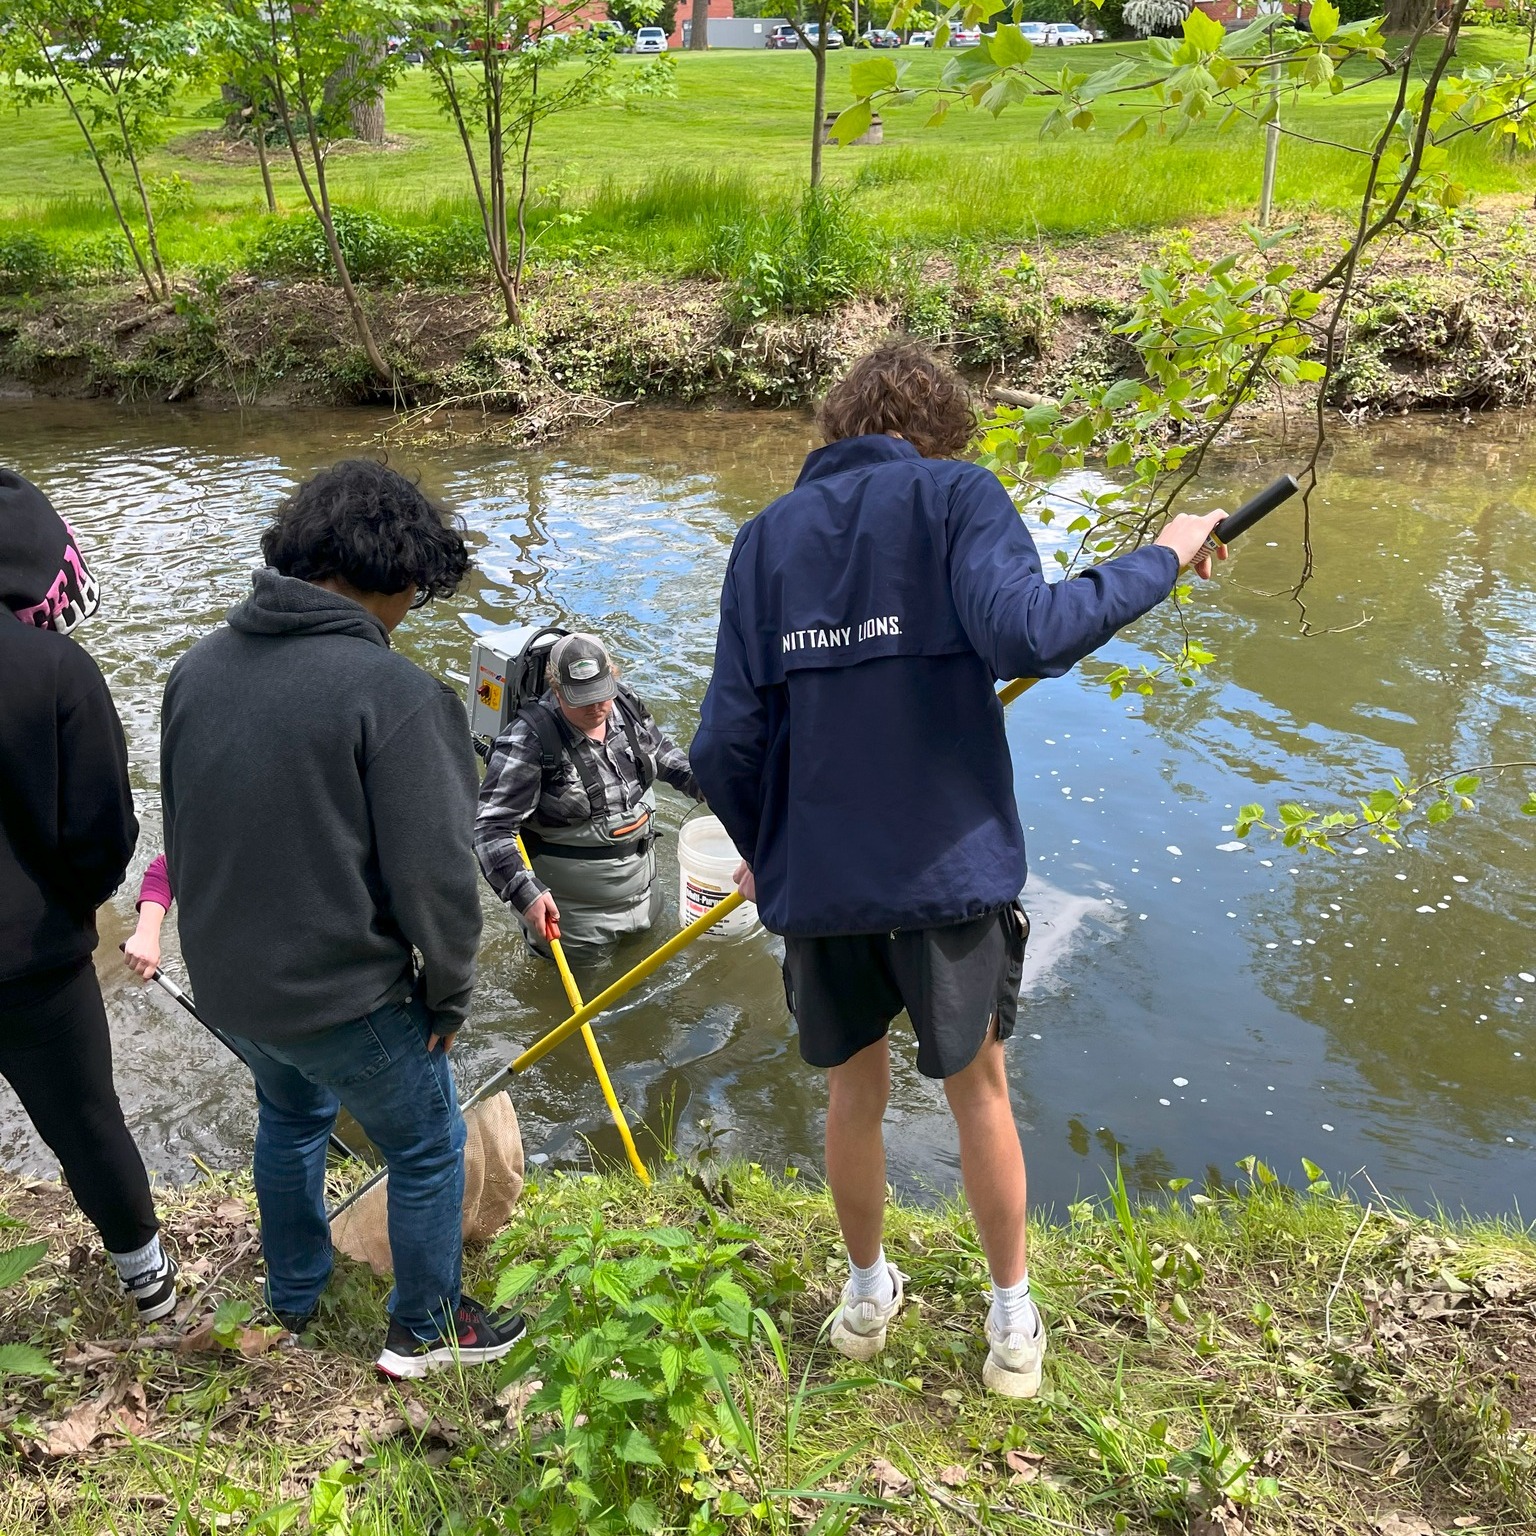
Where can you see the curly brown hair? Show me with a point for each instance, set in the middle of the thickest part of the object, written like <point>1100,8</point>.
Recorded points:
<point>901,387</point>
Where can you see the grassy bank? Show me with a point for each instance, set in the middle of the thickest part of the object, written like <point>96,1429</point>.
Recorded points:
<point>619,184</point>
<point>1431,325</point>
<point>1243,1359</point>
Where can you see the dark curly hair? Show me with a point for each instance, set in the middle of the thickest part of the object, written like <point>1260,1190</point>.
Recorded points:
<point>366,523</point>
<point>901,387</point>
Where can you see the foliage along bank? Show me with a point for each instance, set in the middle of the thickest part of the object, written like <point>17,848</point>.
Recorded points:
<point>1246,1358</point>
<point>1435,323</point>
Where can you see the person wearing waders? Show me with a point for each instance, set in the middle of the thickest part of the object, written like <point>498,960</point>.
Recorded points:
<point>852,743</point>
<point>574,774</point>
<point>67,832</point>
<point>319,795</point>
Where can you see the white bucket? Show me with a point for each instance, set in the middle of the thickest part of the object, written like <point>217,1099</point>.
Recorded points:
<point>706,860</point>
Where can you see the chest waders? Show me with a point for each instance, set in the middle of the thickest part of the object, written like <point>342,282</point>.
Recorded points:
<point>602,870</point>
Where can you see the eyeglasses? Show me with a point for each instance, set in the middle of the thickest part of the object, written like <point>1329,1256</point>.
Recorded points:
<point>422,598</point>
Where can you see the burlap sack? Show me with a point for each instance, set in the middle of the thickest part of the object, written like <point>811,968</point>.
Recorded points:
<point>493,1180</point>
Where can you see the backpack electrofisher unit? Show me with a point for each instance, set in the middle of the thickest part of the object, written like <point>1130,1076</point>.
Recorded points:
<point>506,672</point>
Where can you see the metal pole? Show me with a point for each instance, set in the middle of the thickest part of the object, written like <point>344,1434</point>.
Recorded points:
<point>170,988</point>
<point>1271,141</point>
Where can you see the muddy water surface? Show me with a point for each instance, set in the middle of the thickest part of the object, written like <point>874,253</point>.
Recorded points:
<point>1186,1002</point>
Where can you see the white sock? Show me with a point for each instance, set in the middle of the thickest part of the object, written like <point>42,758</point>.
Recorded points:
<point>873,1284</point>
<point>1013,1308</point>
<point>140,1262</point>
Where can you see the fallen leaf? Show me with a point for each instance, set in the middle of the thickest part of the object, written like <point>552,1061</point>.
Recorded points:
<point>953,1477</point>
<point>198,1340</point>
<point>1400,1464</point>
<point>1396,1523</point>
<point>1024,1465</point>
<point>257,1341</point>
<point>890,1482</point>
<point>1466,1522</point>
<point>514,1398</point>
<point>87,1353</point>
<point>75,1432</point>
<point>231,1210</point>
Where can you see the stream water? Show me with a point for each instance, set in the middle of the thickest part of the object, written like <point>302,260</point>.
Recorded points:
<point>1187,1002</point>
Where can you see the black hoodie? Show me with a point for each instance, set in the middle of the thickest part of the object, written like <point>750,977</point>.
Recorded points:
<point>319,794</point>
<point>67,827</point>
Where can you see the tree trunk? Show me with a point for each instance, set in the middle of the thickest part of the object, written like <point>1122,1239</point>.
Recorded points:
<point>235,103</point>
<point>821,102</point>
<point>151,239</point>
<point>698,33</point>
<point>318,194</point>
<point>365,111</point>
<point>259,133</point>
<point>1407,15</point>
<point>522,190</point>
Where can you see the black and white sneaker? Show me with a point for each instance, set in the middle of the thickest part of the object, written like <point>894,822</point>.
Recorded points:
<point>154,1292</point>
<point>478,1339</point>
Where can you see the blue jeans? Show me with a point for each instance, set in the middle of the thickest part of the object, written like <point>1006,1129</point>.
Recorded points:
<point>404,1098</point>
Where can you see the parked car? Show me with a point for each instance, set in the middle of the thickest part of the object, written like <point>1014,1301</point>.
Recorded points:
<point>1067,34</point>
<point>1035,32</point>
<point>784,36</point>
<point>879,37</point>
<point>920,40</point>
<point>611,32</point>
<point>964,37</point>
<point>813,35</point>
<point>650,40</point>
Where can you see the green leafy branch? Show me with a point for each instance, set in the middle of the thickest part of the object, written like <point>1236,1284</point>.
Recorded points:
<point>1387,816</point>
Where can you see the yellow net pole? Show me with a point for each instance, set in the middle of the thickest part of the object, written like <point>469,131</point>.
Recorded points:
<point>573,992</point>
<point>626,983</point>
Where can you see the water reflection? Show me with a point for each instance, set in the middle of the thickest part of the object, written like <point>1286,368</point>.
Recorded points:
<point>1185,1005</point>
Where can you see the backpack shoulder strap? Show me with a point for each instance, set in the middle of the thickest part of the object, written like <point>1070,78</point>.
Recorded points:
<point>630,711</point>
<point>556,740</point>
<point>546,731</point>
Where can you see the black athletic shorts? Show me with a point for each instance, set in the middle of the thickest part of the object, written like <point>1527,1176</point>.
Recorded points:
<point>952,981</point>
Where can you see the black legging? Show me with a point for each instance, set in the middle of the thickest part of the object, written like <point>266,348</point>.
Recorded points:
<point>56,1052</point>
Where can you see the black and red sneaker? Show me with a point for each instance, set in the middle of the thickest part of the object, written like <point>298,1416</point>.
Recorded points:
<point>479,1338</point>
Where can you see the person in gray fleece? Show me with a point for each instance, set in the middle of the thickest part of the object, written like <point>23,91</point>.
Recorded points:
<point>319,796</point>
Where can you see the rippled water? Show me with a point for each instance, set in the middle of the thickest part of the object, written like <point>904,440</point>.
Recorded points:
<point>1184,1005</point>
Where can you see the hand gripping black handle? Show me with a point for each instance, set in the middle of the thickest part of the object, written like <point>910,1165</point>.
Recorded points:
<point>1247,515</point>
<point>1260,506</point>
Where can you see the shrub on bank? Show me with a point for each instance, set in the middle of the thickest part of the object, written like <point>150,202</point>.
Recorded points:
<point>377,249</point>
<point>801,260</point>
<point>32,263</point>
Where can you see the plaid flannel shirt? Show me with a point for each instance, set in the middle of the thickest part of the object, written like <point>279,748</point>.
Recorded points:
<point>514,789</point>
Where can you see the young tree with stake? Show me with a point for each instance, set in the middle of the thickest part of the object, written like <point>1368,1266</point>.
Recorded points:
<point>292,51</point>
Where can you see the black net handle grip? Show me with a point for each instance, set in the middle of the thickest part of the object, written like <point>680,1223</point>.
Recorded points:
<point>1259,507</point>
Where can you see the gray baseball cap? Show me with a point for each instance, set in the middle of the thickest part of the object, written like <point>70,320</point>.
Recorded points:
<point>579,667</point>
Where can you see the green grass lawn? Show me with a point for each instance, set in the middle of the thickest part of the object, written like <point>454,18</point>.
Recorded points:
<point>653,179</point>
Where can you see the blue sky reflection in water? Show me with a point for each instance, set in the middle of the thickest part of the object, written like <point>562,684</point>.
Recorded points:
<point>1187,1002</point>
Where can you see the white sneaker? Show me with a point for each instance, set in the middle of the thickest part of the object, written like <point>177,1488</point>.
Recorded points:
<point>858,1327</point>
<point>1014,1360</point>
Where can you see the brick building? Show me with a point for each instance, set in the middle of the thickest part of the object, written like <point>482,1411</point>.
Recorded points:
<point>1236,12</point>
<point>597,10</point>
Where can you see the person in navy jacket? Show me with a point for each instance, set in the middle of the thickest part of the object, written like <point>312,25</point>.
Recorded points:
<point>852,743</point>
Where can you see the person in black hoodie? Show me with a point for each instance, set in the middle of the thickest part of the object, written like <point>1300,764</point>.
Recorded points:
<point>319,793</point>
<point>67,832</point>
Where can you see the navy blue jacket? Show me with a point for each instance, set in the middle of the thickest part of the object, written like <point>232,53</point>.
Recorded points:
<point>851,740</point>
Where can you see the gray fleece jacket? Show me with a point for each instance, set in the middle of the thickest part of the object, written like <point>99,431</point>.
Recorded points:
<point>319,794</point>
